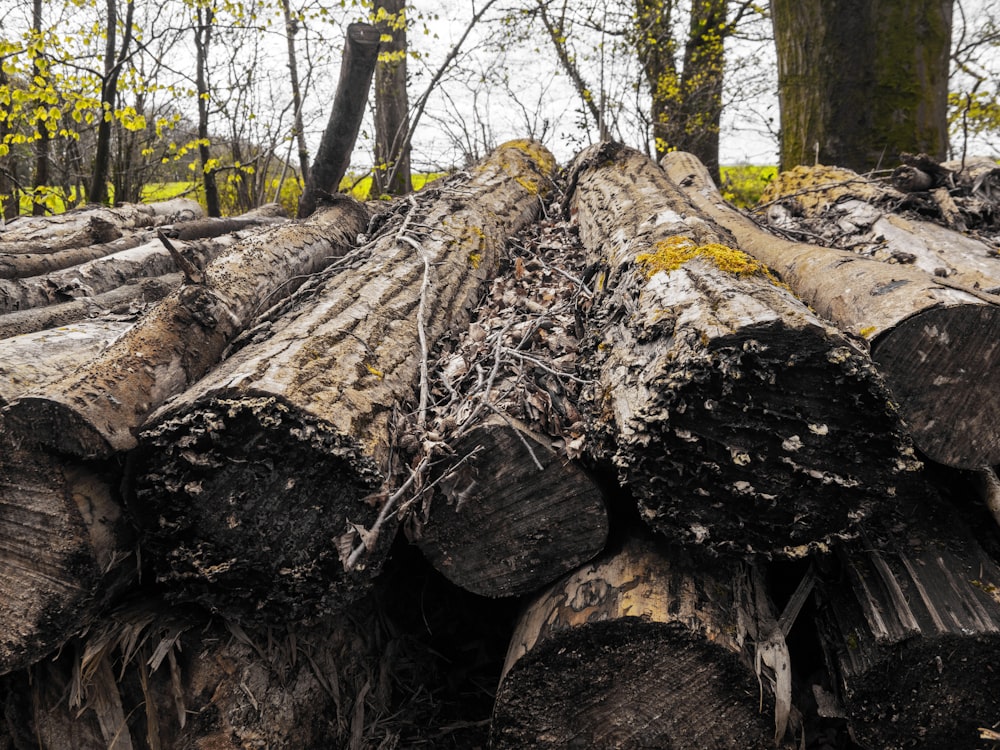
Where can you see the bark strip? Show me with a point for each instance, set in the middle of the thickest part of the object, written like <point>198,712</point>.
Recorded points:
<point>739,418</point>
<point>933,342</point>
<point>911,631</point>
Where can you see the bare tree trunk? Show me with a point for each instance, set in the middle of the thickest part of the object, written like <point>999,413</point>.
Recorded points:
<point>334,154</point>
<point>205,21</point>
<point>114,59</point>
<point>43,144</point>
<point>392,155</point>
<point>298,129</point>
<point>288,512</point>
<point>720,396</point>
<point>860,82</point>
<point>93,411</point>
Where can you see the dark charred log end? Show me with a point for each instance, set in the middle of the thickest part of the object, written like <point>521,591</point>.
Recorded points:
<point>243,504</point>
<point>629,684</point>
<point>939,366</point>
<point>935,691</point>
<point>503,527</point>
<point>776,443</point>
<point>59,428</point>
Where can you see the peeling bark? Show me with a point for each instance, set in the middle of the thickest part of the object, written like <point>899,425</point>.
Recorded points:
<point>911,629</point>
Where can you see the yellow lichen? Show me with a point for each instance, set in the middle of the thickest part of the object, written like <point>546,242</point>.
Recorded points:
<point>673,252</point>
<point>536,152</point>
<point>377,373</point>
<point>475,259</point>
<point>868,331</point>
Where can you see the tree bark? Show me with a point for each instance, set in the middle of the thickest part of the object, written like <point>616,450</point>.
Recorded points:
<point>64,543</point>
<point>721,398</point>
<point>644,648</point>
<point>85,226</point>
<point>513,515</point>
<point>132,294</point>
<point>94,411</point>
<point>392,155</point>
<point>104,273</point>
<point>264,490</point>
<point>29,361</point>
<point>859,83</point>
<point>911,630</point>
<point>334,154</point>
<point>931,342</point>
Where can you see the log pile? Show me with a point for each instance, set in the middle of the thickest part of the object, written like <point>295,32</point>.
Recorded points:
<point>525,459</point>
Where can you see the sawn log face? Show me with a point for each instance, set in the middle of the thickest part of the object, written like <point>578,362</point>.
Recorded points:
<point>739,418</point>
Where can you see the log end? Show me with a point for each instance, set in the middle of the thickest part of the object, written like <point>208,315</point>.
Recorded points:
<point>940,366</point>
<point>62,540</point>
<point>776,441</point>
<point>629,684</point>
<point>58,427</point>
<point>249,507</point>
<point>512,515</point>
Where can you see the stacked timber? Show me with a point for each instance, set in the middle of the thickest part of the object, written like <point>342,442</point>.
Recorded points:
<point>918,292</point>
<point>739,418</point>
<point>266,490</point>
<point>651,499</point>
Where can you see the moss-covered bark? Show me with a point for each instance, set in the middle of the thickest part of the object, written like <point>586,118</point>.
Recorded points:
<point>861,82</point>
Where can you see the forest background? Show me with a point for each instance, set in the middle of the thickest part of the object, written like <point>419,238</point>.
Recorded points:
<point>127,100</point>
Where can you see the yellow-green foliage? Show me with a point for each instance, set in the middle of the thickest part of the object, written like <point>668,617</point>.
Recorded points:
<point>673,252</point>
<point>743,184</point>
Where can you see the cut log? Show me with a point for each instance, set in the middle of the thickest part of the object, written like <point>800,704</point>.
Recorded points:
<point>259,487</point>
<point>135,294</point>
<point>94,411</point>
<point>22,265</point>
<point>739,418</point>
<point>642,649</point>
<point>30,361</point>
<point>103,274</point>
<point>63,543</point>
<point>91,225</point>
<point>513,515</point>
<point>911,629</point>
<point>932,343</point>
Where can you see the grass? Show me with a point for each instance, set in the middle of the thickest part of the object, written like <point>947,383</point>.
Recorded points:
<point>742,184</point>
